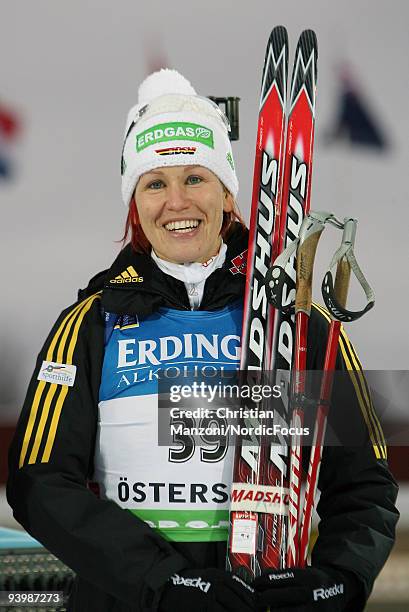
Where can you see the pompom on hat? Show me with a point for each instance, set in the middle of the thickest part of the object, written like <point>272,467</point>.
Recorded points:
<point>172,126</point>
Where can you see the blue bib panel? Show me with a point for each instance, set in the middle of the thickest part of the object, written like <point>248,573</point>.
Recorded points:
<point>184,501</point>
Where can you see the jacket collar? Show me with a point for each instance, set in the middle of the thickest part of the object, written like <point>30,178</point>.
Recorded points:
<point>135,285</point>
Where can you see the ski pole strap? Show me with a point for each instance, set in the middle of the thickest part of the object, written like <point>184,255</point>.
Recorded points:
<point>280,284</point>
<point>334,295</point>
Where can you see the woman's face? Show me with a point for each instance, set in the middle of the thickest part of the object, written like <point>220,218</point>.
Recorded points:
<point>181,212</point>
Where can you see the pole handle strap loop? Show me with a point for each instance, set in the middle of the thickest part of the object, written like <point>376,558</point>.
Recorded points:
<point>334,294</point>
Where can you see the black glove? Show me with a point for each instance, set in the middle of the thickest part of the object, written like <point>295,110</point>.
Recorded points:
<point>208,590</point>
<point>311,589</point>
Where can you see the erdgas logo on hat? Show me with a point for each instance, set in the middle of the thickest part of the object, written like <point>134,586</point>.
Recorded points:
<point>174,131</point>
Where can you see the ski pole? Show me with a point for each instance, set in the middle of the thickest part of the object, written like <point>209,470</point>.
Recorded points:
<point>276,280</point>
<point>308,241</point>
<point>335,298</point>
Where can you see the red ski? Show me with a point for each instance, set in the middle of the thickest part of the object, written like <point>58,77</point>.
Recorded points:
<point>281,198</point>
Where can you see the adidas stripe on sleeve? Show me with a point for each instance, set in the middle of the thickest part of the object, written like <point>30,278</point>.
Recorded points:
<point>49,397</point>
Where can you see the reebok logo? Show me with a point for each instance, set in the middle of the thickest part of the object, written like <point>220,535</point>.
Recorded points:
<point>281,576</point>
<point>127,276</point>
<point>334,591</point>
<point>196,583</point>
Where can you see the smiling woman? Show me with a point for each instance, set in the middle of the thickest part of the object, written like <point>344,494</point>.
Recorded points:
<point>134,230</point>
<point>192,178</point>
<point>154,537</point>
<point>181,212</point>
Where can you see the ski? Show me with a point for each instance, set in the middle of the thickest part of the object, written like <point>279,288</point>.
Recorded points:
<point>280,200</point>
<point>297,198</point>
<point>258,316</point>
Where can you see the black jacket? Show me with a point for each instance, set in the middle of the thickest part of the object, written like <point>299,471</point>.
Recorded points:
<point>121,563</point>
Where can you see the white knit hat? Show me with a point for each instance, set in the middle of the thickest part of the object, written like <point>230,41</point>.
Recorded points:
<point>172,126</point>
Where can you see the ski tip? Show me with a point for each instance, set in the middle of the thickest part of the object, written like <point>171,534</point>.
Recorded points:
<point>278,40</point>
<point>308,42</point>
<point>279,30</point>
<point>275,70</point>
<point>304,76</point>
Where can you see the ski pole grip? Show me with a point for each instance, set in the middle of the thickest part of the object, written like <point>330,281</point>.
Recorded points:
<point>341,286</point>
<point>304,266</point>
<point>279,284</point>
